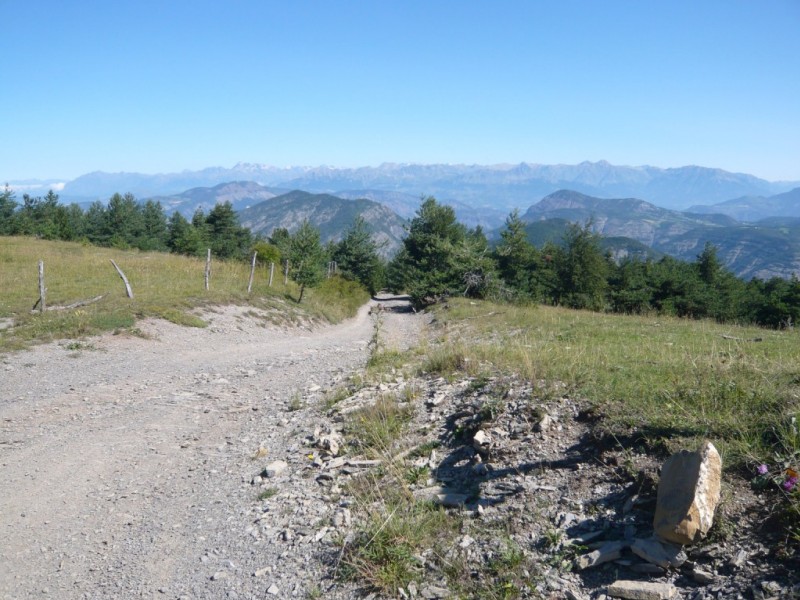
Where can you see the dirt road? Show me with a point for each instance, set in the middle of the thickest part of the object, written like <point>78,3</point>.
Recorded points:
<point>126,462</point>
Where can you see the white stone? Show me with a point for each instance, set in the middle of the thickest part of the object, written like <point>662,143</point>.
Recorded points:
<point>641,590</point>
<point>606,553</point>
<point>663,554</point>
<point>481,440</point>
<point>688,494</point>
<point>275,468</point>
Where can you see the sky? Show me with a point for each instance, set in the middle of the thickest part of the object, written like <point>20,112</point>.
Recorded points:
<point>165,86</point>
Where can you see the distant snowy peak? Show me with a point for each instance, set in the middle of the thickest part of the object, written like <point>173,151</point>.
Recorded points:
<point>502,187</point>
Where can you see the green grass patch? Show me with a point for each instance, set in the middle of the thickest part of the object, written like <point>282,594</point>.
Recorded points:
<point>667,381</point>
<point>384,554</point>
<point>268,493</point>
<point>164,285</point>
<point>374,429</point>
<point>336,299</point>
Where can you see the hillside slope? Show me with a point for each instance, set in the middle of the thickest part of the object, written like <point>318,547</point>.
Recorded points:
<point>330,214</point>
<point>756,208</point>
<point>240,194</point>
<point>769,249</point>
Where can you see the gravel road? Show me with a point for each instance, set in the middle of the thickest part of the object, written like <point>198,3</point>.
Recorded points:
<point>127,463</point>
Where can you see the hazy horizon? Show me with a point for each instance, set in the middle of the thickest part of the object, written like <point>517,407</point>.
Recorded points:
<point>152,87</point>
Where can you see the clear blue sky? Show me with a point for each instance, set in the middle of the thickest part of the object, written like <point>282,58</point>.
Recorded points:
<point>168,85</point>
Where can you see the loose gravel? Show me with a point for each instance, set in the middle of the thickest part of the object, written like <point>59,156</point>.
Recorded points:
<point>131,466</point>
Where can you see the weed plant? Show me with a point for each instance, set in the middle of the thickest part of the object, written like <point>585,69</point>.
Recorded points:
<point>374,429</point>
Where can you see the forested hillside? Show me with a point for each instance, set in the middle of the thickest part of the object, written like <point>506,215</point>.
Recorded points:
<point>439,257</point>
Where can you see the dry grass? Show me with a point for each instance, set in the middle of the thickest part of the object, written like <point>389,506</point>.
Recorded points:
<point>669,380</point>
<point>164,285</point>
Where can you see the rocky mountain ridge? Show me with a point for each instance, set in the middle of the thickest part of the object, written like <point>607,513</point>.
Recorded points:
<point>330,214</point>
<point>764,250</point>
<point>502,186</point>
<point>756,208</point>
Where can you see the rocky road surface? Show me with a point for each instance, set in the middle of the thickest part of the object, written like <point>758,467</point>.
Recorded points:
<point>128,463</point>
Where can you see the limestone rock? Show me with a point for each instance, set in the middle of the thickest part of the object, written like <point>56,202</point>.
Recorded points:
<point>663,554</point>
<point>330,444</point>
<point>688,494</point>
<point>642,590</point>
<point>606,553</point>
<point>481,441</point>
<point>275,468</point>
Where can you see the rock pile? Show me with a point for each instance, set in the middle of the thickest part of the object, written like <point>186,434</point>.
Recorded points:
<point>584,512</point>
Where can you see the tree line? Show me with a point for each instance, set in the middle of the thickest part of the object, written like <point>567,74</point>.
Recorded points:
<point>125,223</point>
<point>440,257</point>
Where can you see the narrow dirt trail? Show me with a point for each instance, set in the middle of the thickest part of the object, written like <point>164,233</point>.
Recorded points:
<point>126,462</point>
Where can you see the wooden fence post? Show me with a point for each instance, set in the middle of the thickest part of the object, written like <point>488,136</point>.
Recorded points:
<point>208,267</point>
<point>252,272</point>
<point>42,289</point>
<point>286,272</point>
<point>128,289</point>
<point>271,272</point>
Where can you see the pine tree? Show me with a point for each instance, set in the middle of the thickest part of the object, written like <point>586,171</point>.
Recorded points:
<point>306,256</point>
<point>357,257</point>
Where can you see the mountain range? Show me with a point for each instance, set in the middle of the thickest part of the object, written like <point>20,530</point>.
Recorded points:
<point>629,226</point>
<point>331,215</point>
<point>768,248</point>
<point>262,209</point>
<point>490,190</point>
<point>756,208</point>
<point>754,222</point>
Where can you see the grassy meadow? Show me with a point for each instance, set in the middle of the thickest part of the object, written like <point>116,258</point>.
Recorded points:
<point>664,381</point>
<point>650,385</point>
<point>164,285</point>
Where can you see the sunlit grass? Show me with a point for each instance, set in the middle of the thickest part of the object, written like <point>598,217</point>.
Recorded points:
<point>671,380</point>
<point>164,285</point>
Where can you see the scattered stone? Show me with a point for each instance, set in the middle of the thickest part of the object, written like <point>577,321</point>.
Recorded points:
<point>273,590</point>
<point>437,399</point>
<point>663,554</point>
<point>738,559</point>
<point>330,444</point>
<point>412,590</point>
<point>433,592</point>
<point>480,469</point>
<point>589,536</point>
<point>605,553</point>
<point>219,575</point>
<point>481,440</point>
<point>275,468</point>
<point>703,577</point>
<point>447,497</point>
<point>342,518</point>
<point>641,590</point>
<point>335,463</point>
<point>688,493</point>
<point>544,424</point>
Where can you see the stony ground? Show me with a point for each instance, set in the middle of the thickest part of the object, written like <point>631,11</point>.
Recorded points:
<point>127,462</point>
<point>197,463</point>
